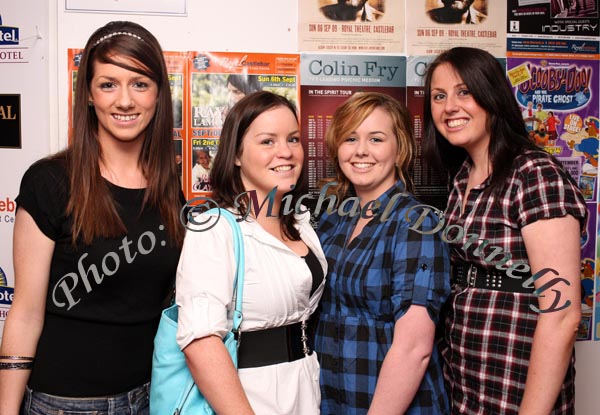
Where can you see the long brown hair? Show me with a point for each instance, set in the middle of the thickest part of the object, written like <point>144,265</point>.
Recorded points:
<point>90,202</point>
<point>225,176</point>
<point>350,115</point>
<point>486,80</point>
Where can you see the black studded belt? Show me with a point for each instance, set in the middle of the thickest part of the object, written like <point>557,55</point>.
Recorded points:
<point>467,274</point>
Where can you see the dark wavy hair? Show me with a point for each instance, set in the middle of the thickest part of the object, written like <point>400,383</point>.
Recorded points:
<point>486,80</point>
<point>225,176</point>
<point>90,203</point>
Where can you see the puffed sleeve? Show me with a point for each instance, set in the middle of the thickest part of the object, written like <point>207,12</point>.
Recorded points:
<point>43,194</point>
<point>545,191</point>
<point>204,284</point>
<point>421,274</point>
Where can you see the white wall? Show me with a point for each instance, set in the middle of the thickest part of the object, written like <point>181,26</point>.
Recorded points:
<point>223,25</point>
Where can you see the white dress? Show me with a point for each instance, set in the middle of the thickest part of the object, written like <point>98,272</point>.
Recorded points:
<point>277,286</point>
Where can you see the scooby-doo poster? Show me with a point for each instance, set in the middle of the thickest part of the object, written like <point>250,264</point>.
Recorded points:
<point>559,103</point>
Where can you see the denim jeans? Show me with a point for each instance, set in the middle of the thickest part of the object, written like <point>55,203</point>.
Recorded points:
<point>134,402</point>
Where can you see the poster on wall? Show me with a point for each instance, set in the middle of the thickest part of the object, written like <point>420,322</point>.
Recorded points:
<point>177,69</point>
<point>329,80</point>
<point>359,26</point>
<point>6,297</point>
<point>588,272</point>
<point>160,7</point>
<point>74,58</point>
<point>549,27</point>
<point>430,184</point>
<point>437,25</point>
<point>10,120</point>
<point>591,292</point>
<point>559,103</point>
<point>8,208</point>
<point>11,48</point>
<point>217,81</point>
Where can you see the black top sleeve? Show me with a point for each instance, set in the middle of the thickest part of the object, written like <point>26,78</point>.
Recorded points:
<point>43,194</point>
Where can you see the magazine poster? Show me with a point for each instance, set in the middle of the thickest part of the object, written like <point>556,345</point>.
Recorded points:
<point>430,184</point>
<point>358,26</point>
<point>74,57</point>
<point>589,290</point>
<point>559,103</point>
<point>565,27</point>
<point>435,25</point>
<point>588,273</point>
<point>327,81</point>
<point>217,81</point>
<point>177,69</point>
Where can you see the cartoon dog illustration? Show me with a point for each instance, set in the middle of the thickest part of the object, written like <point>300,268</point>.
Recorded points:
<point>591,128</point>
<point>589,148</point>
<point>540,136</point>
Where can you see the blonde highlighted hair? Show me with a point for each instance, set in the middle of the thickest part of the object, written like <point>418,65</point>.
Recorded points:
<point>348,117</point>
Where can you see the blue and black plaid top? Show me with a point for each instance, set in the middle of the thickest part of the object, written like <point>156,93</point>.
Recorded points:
<point>371,283</point>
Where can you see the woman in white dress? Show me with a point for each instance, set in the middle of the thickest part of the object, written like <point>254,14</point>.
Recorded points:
<point>260,157</point>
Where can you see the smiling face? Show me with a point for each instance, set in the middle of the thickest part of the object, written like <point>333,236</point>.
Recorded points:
<point>271,153</point>
<point>456,114</point>
<point>124,102</point>
<point>367,156</point>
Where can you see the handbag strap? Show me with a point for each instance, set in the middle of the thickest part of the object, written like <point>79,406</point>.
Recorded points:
<point>238,249</point>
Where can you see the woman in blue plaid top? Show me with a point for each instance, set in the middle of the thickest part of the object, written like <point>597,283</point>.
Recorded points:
<point>386,282</point>
<point>514,220</point>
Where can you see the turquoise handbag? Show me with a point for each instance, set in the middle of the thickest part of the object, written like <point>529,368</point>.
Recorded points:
<point>172,388</point>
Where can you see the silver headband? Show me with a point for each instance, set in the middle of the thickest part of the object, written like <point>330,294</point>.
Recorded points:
<point>103,38</point>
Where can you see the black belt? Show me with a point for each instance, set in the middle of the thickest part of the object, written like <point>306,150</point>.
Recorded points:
<point>274,345</point>
<point>467,274</point>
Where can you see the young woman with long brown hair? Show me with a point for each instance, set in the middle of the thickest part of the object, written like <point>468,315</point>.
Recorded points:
<point>96,240</point>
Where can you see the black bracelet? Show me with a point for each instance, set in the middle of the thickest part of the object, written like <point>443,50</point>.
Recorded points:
<point>31,359</point>
<point>17,365</point>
